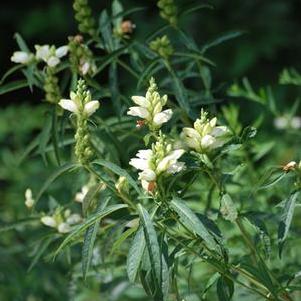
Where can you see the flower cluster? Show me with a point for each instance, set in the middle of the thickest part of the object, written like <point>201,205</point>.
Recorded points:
<point>162,47</point>
<point>49,54</point>
<point>62,222</point>
<point>168,11</point>
<point>150,108</point>
<point>161,159</point>
<point>81,57</point>
<point>83,14</point>
<point>287,122</point>
<point>205,134</point>
<point>82,105</point>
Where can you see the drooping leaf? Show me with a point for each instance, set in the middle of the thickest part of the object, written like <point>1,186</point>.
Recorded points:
<point>152,245</point>
<point>12,86</point>
<point>286,219</point>
<point>228,208</point>
<point>135,254</point>
<point>191,221</point>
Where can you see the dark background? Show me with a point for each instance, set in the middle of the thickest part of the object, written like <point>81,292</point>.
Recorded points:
<point>272,40</point>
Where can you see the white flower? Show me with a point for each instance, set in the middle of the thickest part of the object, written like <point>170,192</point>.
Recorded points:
<point>50,55</point>
<point>79,197</point>
<point>150,107</point>
<point>49,221</point>
<point>205,135</point>
<point>21,57</point>
<point>75,105</point>
<point>160,159</point>
<point>64,228</point>
<point>285,122</point>
<point>84,68</point>
<point>29,201</point>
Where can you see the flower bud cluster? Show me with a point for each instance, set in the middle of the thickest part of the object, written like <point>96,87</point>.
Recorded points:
<point>161,159</point>
<point>150,108</point>
<point>82,105</point>
<point>62,222</point>
<point>83,15</point>
<point>168,11</point>
<point>205,135</point>
<point>51,87</point>
<point>124,29</point>
<point>162,47</point>
<point>81,57</point>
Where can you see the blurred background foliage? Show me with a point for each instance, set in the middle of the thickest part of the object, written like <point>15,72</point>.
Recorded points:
<point>271,42</point>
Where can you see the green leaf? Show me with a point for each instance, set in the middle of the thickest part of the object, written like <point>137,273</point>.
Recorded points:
<point>122,238</point>
<point>225,289</point>
<point>90,195</point>
<point>135,255</point>
<point>12,86</point>
<point>15,225</point>
<point>228,208</point>
<point>119,171</point>
<point>87,249</point>
<point>78,230</point>
<point>152,245</point>
<point>286,219</point>
<point>9,72</point>
<point>194,55</point>
<point>191,221</point>
<point>44,137</point>
<point>22,44</point>
<point>105,30</point>
<point>221,39</point>
<point>195,8</point>
<point>60,171</point>
<point>147,72</point>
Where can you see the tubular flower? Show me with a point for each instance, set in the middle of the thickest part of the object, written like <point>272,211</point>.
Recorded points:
<point>50,55</point>
<point>161,159</point>
<point>22,57</point>
<point>150,108</point>
<point>205,135</point>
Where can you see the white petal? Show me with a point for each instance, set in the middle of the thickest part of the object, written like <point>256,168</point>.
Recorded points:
<point>84,68</point>
<point>42,52</point>
<point>207,141</point>
<point>144,154</point>
<point>61,51</point>
<point>162,117</point>
<point>64,228</point>
<point>147,175</point>
<point>28,193</point>
<point>140,101</point>
<point>49,221</point>
<point>53,61</point>
<point>296,122</point>
<point>73,219</point>
<point>145,185</point>
<point>91,107</point>
<point>219,131</point>
<point>139,112</point>
<point>140,164</point>
<point>176,167</point>
<point>21,57</point>
<point>68,105</point>
<point>176,154</point>
<point>29,203</point>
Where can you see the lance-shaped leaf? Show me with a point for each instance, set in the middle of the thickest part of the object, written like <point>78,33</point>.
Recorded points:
<point>192,222</point>
<point>228,208</point>
<point>286,219</point>
<point>135,255</point>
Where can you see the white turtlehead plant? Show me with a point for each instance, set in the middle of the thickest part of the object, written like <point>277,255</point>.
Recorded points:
<point>161,159</point>
<point>29,200</point>
<point>50,54</point>
<point>205,135</point>
<point>149,108</point>
<point>22,57</point>
<point>77,105</point>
